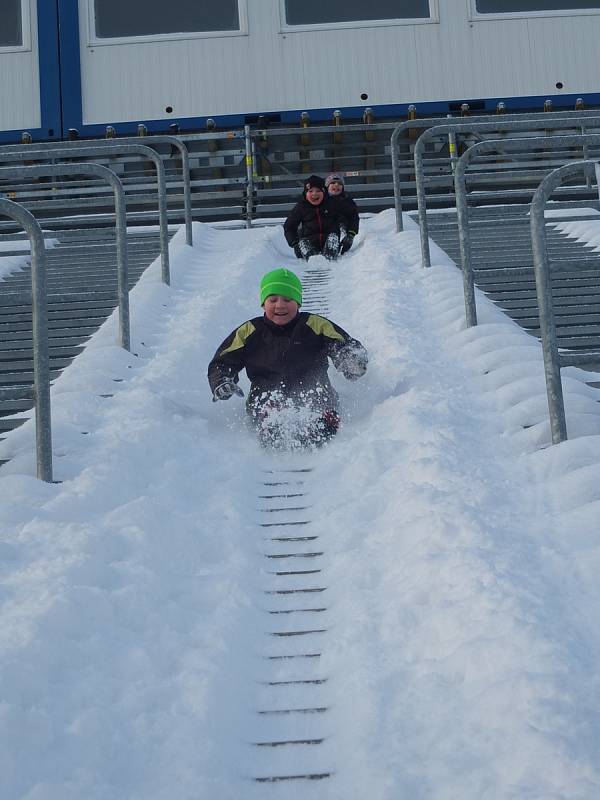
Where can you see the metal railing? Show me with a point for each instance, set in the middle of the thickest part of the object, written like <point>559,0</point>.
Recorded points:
<point>103,150</point>
<point>512,146</point>
<point>41,360</point>
<point>191,164</point>
<point>478,128</point>
<point>120,223</point>
<point>506,122</point>
<point>253,173</point>
<point>553,359</point>
<point>147,141</point>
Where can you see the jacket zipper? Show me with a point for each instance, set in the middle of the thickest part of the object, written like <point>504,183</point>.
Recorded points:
<point>320,227</point>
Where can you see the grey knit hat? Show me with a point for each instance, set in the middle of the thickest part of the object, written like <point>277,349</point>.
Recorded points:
<point>333,177</point>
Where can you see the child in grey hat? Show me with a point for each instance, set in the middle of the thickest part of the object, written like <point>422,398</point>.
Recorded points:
<point>336,189</point>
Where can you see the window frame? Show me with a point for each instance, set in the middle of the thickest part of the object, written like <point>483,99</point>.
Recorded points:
<point>95,41</point>
<point>434,17</point>
<point>25,45</point>
<point>476,16</point>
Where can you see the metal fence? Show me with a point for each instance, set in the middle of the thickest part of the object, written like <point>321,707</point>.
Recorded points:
<point>256,174</point>
<point>553,359</point>
<point>561,147</point>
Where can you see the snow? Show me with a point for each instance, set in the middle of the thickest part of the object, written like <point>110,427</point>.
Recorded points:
<point>460,556</point>
<point>14,263</point>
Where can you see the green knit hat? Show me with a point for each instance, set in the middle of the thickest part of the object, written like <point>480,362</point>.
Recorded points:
<point>283,282</point>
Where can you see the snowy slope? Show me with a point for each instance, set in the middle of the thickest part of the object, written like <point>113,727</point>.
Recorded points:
<point>460,556</point>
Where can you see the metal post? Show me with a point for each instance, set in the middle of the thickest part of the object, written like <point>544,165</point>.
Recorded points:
<point>421,204</point>
<point>556,406</point>
<point>249,177</point>
<point>452,147</point>
<point>41,357</point>
<point>462,213</point>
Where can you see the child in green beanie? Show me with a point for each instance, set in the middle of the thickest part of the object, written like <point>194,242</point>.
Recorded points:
<point>286,356</point>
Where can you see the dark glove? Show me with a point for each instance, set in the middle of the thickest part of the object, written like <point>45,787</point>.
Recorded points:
<point>355,365</point>
<point>297,250</point>
<point>226,389</point>
<point>347,242</point>
<point>331,248</point>
<point>305,250</point>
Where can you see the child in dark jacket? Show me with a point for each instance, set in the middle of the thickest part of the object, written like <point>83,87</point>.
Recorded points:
<point>315,222</point>
<point>285,354</point>
<point>347,208</point>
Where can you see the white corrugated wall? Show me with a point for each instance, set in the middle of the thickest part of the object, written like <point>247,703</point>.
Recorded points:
<point>271,70</point>
<point>20,83</point>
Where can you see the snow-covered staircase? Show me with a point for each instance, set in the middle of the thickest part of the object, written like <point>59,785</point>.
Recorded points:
<point>501,248</point>
<point>82,293</point>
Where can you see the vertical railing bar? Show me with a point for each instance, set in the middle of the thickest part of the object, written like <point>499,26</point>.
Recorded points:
<point>41,357</point>
<point>556,407</point>
<point>249,176</point>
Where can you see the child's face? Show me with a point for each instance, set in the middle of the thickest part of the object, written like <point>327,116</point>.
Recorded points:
<point>335,187</point>
<point>280,309</point>
<point>314,195</point>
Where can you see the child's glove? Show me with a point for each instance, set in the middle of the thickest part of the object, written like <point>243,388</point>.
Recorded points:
<point>297,250</point>
<point>226,389</point>
<point>305,249</point>
<point>355,365</point>
<point>331,248</point>
<point>346,243</point>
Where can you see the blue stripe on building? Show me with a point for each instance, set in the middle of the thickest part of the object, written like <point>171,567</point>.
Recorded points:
<point>70,66</point>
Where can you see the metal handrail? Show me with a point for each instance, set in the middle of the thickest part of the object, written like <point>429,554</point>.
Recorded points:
<point>438,130</point>
<point>41,355</point>
<point>522,144</point>
<point>103,150</point>
<point>499,124</point>
<point>120,223</point>
<point>148,141</point>
<point>552,358</point>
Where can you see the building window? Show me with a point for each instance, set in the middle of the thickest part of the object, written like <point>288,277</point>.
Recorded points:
<point>115,19</point>
<point>523,6</point>
<point>11,28</point>
<point>327,12</point>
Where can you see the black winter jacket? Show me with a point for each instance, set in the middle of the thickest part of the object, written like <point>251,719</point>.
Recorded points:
<point>290,359</point>
<point>306,221</point>
<point>347,209</point>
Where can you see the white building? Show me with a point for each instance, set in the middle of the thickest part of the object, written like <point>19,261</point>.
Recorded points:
<point>85,64</point>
